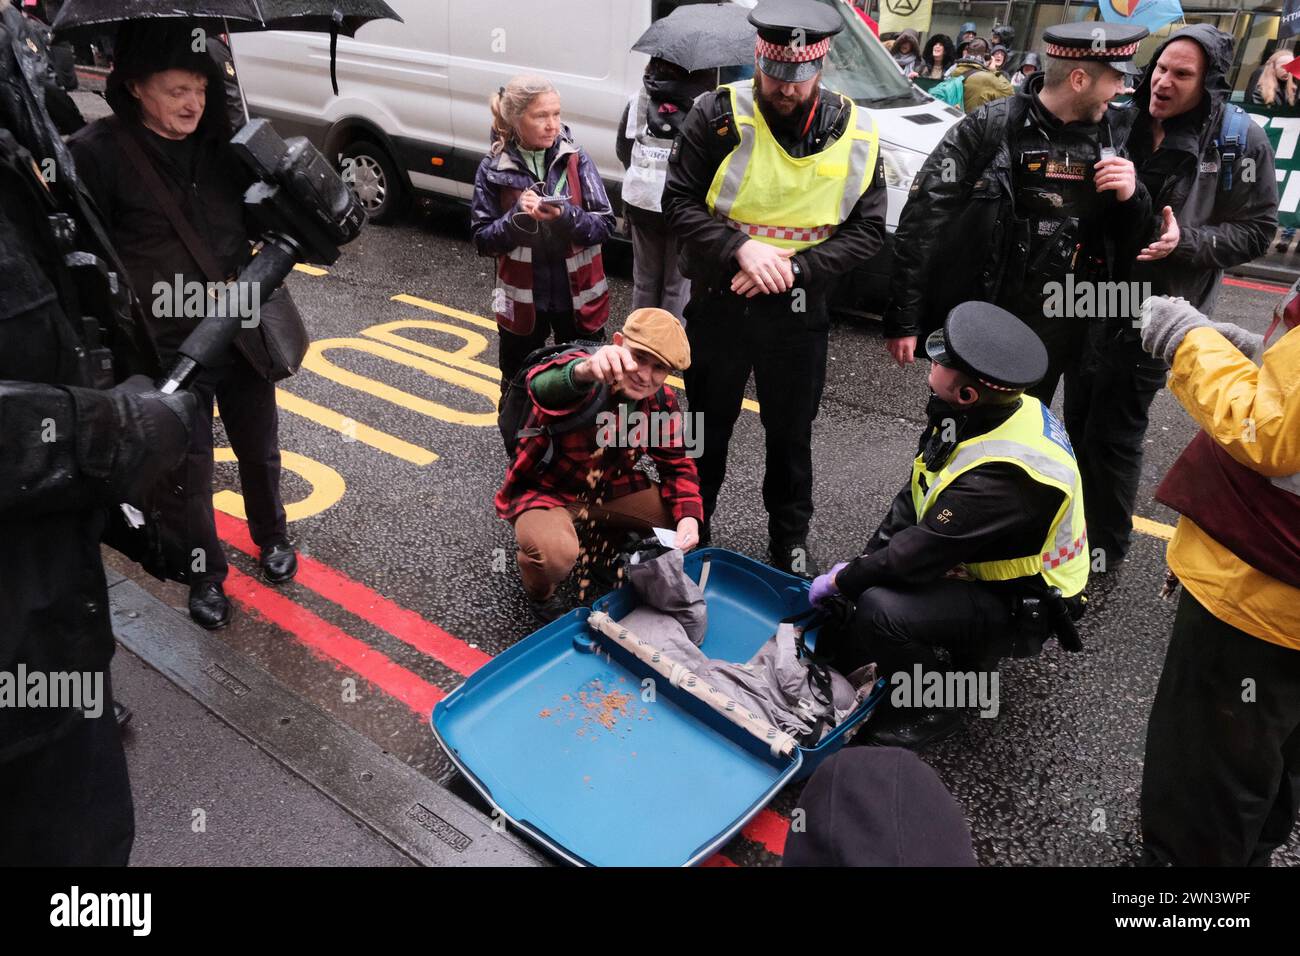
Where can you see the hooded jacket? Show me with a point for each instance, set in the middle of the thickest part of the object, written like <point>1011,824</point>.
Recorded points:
<point>1218,229</point>
<point>911,60</point>
<point>496,233</point>
<point>982,84</point>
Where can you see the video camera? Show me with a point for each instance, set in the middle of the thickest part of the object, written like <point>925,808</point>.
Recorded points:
<point>306,211</point>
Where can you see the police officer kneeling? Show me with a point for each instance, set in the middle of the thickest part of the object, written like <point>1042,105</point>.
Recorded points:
<point>983,554</point>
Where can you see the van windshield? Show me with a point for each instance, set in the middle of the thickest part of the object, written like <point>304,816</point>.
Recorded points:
<point>859,67</point>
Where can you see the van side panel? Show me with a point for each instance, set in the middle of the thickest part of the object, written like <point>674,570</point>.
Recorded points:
<point>391,74</point>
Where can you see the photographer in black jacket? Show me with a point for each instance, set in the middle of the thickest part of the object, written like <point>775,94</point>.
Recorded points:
<point>170,113</point>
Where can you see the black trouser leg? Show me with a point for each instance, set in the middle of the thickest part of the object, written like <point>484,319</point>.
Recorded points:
<point>715,382</point>
<point>1107,410</point>
<point>513,349</point>
<point>1221,781</point>
<point>789,374</point>
<point>898,627</point>
<point>207,559</point>
<point>248,411</point>
<point>1064,339</point>
<point>69,803</point>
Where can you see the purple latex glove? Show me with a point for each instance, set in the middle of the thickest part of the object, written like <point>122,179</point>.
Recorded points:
<point>824,585</point>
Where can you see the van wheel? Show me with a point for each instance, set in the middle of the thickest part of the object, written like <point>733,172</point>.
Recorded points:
<point>374,180</point>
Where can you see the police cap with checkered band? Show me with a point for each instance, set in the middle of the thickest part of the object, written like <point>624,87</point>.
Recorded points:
<point>1114,44</point>
<point>793,37</point>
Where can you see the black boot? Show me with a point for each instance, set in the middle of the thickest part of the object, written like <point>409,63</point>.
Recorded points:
<point>209,606</point>
<point>553,608</point>
<point>279,563</point>
<point>914,729</point>
<point>121,713</point>
<point>793,557</point>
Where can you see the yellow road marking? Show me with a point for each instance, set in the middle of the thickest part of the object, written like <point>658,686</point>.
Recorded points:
<point>351,429</point>
<point>673,380</point>
<point>1153,528</point>
<point>318,363</point>
<point>463,357</point>
<point>327,487</point>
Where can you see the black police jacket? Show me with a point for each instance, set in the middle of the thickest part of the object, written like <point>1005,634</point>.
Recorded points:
<point>953,240</point>
<point>995,512</point>
<point>1221,227</point>
<point>67,452</point>
<point>708,246</point>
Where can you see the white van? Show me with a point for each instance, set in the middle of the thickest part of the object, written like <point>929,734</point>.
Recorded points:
<point>412,110</point>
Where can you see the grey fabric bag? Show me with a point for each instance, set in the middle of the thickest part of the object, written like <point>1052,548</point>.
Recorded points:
<point>775,683</point>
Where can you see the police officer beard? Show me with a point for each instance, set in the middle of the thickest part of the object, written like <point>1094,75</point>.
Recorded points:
<point>790,123</point>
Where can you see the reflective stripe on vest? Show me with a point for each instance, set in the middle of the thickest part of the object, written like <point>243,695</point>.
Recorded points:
<point>1035,440</point>
<point>793,203</point>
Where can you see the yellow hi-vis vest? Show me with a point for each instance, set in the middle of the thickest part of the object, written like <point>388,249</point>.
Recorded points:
<point>1036,441</point>
<point>792,203</point>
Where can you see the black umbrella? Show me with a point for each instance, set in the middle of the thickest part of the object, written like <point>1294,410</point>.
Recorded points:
<point>231,16</point>
<point>314,16</point>
<point>701,36</point>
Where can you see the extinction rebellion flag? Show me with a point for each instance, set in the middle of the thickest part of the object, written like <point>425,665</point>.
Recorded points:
<point>898,15</point>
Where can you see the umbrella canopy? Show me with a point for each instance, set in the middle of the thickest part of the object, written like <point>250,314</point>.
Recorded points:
<point>233,16</point>
<point>701,37</point>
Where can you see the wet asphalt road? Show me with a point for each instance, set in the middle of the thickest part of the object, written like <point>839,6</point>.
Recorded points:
<point>1054,779</point>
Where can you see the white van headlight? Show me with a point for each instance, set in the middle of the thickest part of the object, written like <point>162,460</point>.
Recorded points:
<point>901,165</point>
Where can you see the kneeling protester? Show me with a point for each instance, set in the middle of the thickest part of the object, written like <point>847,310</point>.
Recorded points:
<point>568,463</point>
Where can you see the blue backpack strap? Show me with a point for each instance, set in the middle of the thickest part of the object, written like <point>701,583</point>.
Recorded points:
<point>1231,142</point>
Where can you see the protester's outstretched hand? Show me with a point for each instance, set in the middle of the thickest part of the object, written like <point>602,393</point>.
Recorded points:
<point>688,533</point>
<point>1168,241</point>
<point>607,366</point>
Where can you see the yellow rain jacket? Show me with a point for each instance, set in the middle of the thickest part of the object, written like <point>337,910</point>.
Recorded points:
<point>1253,412</point>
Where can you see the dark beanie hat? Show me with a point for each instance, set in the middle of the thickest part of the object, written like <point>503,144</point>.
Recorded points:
<point>145,47</point>
<point>878,806</point>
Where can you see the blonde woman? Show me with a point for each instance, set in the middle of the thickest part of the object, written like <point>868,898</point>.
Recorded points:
<point>1275,86</point>
<point>541,209</point>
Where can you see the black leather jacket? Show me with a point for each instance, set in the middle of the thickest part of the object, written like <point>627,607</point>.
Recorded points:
<point>955,236</point>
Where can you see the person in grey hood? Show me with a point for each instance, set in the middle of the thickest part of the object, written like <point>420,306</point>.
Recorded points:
<point>1210,218</point>
<point>907,52</point>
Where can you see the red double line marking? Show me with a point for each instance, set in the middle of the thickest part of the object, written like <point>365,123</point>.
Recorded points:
<point>368,604</point>
<point>323,637</point>
<point>1257,286</point>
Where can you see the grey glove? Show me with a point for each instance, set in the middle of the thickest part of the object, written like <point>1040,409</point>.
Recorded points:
<point>1167,319</point>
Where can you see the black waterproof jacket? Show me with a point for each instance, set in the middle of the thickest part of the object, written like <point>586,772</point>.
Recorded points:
<point>68,453</point>
<point>952,241</point>
<point>209,194</point>
<point>1220,228</point>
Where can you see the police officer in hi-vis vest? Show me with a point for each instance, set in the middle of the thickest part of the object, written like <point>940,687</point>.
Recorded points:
<point>774,190</point>
<point>983,554</point>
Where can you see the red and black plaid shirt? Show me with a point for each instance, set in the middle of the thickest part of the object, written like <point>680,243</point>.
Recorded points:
<point>565,480</point>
